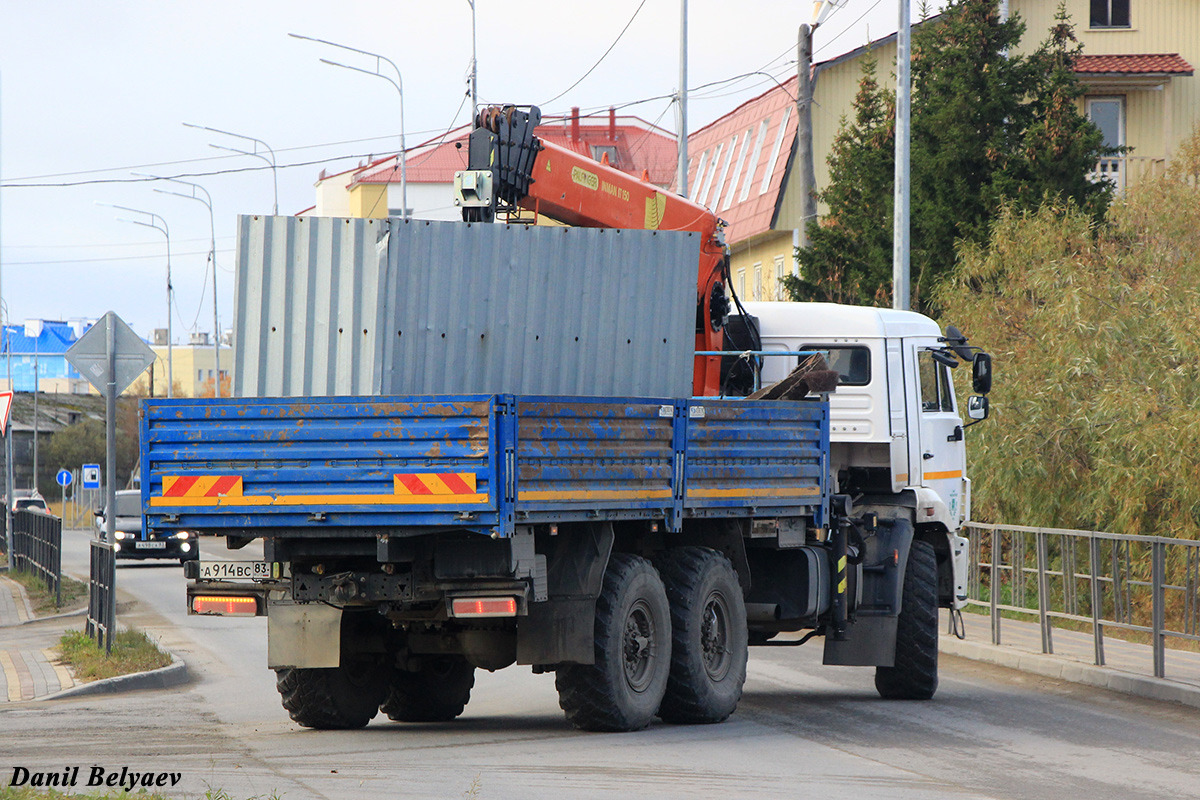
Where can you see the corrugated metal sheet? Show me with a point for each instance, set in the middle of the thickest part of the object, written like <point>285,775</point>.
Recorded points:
<point>331,306</point>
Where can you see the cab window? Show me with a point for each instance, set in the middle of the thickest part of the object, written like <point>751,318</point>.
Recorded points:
<point>936,394</point>
<point>853,364</point>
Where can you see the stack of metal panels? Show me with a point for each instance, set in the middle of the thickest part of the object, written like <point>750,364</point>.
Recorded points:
<point>330,306</point>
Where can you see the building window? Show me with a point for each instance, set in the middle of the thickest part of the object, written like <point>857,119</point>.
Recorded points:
<point>770,173</point>
<point>779,277</point>
<point>753,167</point>
<point>1108,114</point>
<point>1110,13</point>
<point>716,198</point>
<point>741,283</point>
<point>699,176</point>
<point>758,281</point>
<point>712,174</point>
<point>737,170</point>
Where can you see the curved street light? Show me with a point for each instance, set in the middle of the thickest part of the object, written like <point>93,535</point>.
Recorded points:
<point>165,231</point>
<point>212,257</point>
<point>254,153</point>
<point>398,83</point>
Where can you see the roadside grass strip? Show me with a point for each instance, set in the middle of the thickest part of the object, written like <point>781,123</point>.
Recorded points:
<point>74,593</point>
<point>132,651</point>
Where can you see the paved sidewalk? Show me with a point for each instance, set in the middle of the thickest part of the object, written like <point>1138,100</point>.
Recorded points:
<point>1128,666</point>
<point>28,667</point>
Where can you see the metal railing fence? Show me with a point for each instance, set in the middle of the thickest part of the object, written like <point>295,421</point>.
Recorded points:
<point>101,615</point>
<point>37,548</point>
<point>1145,584</point>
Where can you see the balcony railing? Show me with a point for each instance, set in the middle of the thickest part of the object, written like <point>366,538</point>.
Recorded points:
<point>1125,171</point>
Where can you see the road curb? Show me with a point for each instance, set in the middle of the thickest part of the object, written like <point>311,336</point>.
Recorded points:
<point>174,674</point>
<point>1073,671</point>
<point>79,612</point>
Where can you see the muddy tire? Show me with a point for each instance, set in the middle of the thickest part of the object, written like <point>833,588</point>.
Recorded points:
<point>623,689</point>
<point>914,675</point>
<point>341,697</point>
<point>437,693</point>
<point>708,636</point>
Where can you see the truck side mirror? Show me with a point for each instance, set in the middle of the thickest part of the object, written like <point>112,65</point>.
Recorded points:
<point>977,407</point>
<point>981,373</point>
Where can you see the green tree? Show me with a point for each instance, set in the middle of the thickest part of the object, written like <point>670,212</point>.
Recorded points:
<point>850,253</point>
<point>990,128</point>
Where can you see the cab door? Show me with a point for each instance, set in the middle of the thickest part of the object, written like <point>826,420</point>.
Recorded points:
<point>942,451</point>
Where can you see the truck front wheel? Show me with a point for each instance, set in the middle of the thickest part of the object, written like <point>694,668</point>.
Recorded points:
<point>708,636</point>
<point>914,674</point>
<point>342,697</point>
<point>437,693</point>
<point>623,689</point>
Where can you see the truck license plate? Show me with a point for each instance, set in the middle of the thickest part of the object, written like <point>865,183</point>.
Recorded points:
<point>150,545</point>
<point>226,570</point>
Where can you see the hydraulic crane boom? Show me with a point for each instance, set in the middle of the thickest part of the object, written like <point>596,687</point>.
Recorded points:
<point>510,168</point>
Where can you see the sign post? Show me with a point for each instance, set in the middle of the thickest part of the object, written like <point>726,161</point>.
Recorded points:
<point>64,478</point>
<point>111,356</point>
<point>6,399</point>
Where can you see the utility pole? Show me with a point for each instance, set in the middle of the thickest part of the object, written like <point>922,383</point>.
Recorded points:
<point>901,287</point>
<point>8,448</point>
<point>474,68</point>
<point>805,163</point>
<point>682,167</point>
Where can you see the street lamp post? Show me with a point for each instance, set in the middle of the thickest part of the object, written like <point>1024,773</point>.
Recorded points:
<point>159,224</point>
<point>398,83</point>
<point>254,153</point>
<point>212,256</point>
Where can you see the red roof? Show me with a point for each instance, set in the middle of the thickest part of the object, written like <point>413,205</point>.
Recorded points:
<point>729,160</point>
<point>639,146</point>
<point>1143,64</point>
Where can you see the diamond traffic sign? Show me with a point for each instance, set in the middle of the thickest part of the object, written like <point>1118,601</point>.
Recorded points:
<point>91,476</point>
<point>5,407</point>
<point>89,355</point>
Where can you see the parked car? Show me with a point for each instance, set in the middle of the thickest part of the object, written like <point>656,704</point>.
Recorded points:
<point>131,539</point>
<point>21,503</point>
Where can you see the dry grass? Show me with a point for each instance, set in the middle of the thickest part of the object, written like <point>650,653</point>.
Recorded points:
<point>1095,331</point>
<point>132,651</point>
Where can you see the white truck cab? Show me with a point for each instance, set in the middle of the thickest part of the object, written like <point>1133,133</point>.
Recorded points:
<point>895,427</point>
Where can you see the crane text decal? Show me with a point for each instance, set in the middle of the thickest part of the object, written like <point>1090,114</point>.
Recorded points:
<point>584,178</point>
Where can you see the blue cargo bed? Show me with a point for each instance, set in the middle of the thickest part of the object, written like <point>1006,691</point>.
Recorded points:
<point>336,466</point>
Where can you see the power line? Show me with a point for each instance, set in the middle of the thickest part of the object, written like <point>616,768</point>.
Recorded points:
<point>846,29</point>
<point>606,52</point>
<point>231,171</point>
<point>213,158</point>
<point>114,244</point>
<point>103,258</point>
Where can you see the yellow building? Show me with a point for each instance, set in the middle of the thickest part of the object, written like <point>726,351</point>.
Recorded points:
<point>193,369</point>
<point>1136,67</point>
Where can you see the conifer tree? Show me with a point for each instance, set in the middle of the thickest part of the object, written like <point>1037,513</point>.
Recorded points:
<point>990,128</point>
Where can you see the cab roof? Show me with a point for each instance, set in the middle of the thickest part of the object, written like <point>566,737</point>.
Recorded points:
<point>832,320</point>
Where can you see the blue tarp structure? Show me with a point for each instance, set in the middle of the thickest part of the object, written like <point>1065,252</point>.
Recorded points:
<point>44,342</point>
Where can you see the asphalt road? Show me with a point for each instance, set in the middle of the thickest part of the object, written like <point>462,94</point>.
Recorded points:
<point>802,730</point>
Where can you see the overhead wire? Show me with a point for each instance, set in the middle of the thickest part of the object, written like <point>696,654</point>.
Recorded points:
<point>601,59</point>
<point>846,29</point>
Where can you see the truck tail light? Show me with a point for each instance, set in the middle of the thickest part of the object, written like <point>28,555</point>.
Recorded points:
<point>484,607</point>
<point>226,606</point>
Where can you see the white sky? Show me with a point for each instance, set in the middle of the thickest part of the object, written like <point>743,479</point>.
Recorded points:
<point>93,91</point>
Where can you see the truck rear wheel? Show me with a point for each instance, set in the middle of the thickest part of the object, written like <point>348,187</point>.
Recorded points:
<point>437,693</point>
<point>708,636</point>
<point>914,675</point>
<point>623,689</point>
<point>342,697</point>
